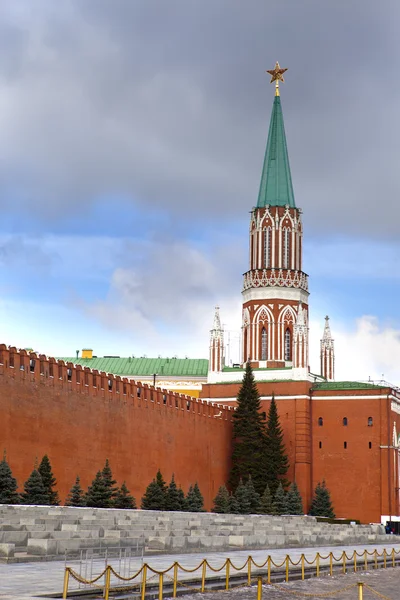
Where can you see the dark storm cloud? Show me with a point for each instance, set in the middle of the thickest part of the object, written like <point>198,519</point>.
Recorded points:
<point>168,103</point>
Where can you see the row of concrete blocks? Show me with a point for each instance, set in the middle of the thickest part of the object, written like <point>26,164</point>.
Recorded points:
<point>52,547</point>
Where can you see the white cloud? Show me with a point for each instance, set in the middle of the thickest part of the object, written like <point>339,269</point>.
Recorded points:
<point>365,348</point>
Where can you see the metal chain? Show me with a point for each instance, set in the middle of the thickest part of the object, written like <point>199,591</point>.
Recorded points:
<point>375,592</point>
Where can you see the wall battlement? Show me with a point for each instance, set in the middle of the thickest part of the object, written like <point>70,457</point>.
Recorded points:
<point>79,417</point>
<point>29,367</point>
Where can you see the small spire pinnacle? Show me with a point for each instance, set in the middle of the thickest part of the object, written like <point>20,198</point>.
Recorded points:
<point>277,76</point>
<point>217,320</point>
<point>327,330</point>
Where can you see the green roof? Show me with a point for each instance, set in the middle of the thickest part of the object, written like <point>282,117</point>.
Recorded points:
<point>141,367</point>
<point>346,385</point>
<point>276,187</point>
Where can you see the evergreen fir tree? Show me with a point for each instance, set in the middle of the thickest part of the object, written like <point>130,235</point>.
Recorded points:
<point>8,484</point>
<point>243,499</point>
<point>34,490</point>
<point>109,483</point>
<point>49,481</point>
<point>277,460</point>
<point>153,498</point>
<point>294,503</point>
<point>248,455</point>
<point>267,505</point>
<point>194,499</point>
<point>98,494</point>
<point>221,501</point>
<point>182,499</point>
<point>254,497</point>
<point>123,498</point>
<point>76,496</point>
<point>163,487</point>
<point>233,505</point>
<point>280,501</point>
<point>321,505</point>
<point>173,499</point>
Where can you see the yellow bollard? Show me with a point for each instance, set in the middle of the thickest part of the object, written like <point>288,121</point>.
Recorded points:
<point>203,576</point>
<point>107,586</point>
<point>259,587</point>
<point>160,586</point>
<point>317,558</point>
<point>302,567</point>
<point>269,570</point>
<point>144,579</point>
<point>344,562</point>
<point>330,564</point>
<point>249,571</point>
<point>365,560</point>
<point>228,564</point>
<point>66,582</point>
<point>360,590</point>
<point>393,559</point>
<point>287,568</point>
<point>384,558</point>
<point>355,561</point>
<point>176,565</point>
<point>376,558</point>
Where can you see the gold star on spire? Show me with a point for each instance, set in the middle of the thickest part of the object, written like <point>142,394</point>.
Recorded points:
<point>277,76</point>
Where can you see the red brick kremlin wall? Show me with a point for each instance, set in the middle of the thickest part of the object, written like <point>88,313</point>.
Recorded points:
<point>358,461</point>
<point>80,417</point>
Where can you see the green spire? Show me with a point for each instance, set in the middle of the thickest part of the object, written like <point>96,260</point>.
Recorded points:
<point>276,182</point>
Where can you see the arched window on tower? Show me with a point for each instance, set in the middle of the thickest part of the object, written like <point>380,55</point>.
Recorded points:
<point>288,345</point>
<point>267,248</point>
<point>264,343</point>
<point>286,248</point>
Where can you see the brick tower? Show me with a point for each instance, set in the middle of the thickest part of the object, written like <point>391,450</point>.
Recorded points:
<point>275,289</point>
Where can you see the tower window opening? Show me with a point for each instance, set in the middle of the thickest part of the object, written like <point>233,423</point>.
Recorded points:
<point>370,445</point>
<point>286,247</point>
<point>320,444</point>
<point>370,421</point>
<point>264,342</point>
<point>288,345</point>
<point>345,445</point>
<point>267,248</point>
<point>320,421</point>
<point>345,421</point>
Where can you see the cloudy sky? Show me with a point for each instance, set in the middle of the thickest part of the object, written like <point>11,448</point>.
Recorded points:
<point>132,135</point>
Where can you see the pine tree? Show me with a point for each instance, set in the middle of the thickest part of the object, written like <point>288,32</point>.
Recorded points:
<point>182,499</point>
<point>253,496</point>
<point>153,498</point>
<point>280,500</point>
<point>194,499</point>
<point>98,494</point>
<point>34,490</point>
<point>49,481</point>
<point>76,496</point>
<point>321,505</point>
<point>109,483</point>
<point>248,456</point>
<point>242,498</point>
<point>8,484</point>
<point>173,499</point>
<point>277,460</point>
<point>294,503</point>
<point>123,498</point>
<point>221,501</point>
<point>267,505</point>
<point>163,487</point>
<point>233,505</point>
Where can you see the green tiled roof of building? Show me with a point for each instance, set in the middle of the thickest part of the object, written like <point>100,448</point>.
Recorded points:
<point>276,187</point>
<point>142,367</point>
<point>346,385</point>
